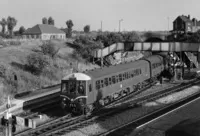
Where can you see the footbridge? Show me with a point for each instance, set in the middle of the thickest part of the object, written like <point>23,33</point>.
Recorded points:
<point>153,47</point>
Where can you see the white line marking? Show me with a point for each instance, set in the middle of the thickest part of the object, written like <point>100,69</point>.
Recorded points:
<point>167,113</point>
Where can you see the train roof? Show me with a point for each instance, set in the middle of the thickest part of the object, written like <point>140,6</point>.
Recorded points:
<point>78,76</point>
<point>100,72</point>
<point>154,58</point>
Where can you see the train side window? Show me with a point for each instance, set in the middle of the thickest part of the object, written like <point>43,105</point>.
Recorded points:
<point>110,81</point>
<point>113,80</point>
<point>135,72</point>
<point>123,78</point>
<point>106,81</point>
<point>132,73</point>
<point>129,74</point>
<point>140,71</point>
<point>117,78</point>
<point>126,75</point>
<point>120,77</point>
<point>98,84</point>
<point>102,84</point>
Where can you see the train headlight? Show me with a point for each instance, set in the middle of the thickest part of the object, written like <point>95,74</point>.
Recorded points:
<point>64,99</point>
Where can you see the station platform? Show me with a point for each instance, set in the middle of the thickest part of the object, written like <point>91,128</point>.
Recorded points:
<point>19,101</point>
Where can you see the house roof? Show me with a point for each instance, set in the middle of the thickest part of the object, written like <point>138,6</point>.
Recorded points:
<point>184,18</point>
<point>43,28</point>
<point>64,30</point>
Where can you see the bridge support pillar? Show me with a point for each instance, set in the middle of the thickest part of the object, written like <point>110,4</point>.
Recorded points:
<point>198,58</point>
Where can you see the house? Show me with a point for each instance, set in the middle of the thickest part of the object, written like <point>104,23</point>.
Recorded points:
<point>44,32</point>
<point>183,24</point>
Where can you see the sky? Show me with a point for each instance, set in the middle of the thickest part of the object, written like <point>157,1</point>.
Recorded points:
<point>137,15</point>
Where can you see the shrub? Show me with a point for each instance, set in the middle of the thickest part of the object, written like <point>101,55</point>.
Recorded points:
<point>36,63</point>
<point>109,38</point>
<point>2,43</point>
<point>49,48</point>
<point>2,70</point>
<point>85,47</point>
<point>14,42</point>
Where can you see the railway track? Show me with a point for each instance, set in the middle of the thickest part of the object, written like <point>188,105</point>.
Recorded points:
<point>127,127</point>
<point>81,121</point>
<point>31,113</point>
<point>46,126</point>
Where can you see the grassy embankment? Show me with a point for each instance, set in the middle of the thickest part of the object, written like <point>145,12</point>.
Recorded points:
<point>15,77</point>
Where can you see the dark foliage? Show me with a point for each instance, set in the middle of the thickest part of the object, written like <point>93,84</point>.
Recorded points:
<point>44,20</point>
<point>49,48</point>
<point>86,29</point>
<point>109,38</point>
<point>36,63</point>
<point>84,47</point>
<point>21,30</point>
<point>51,21</point>
<point>69,24</point>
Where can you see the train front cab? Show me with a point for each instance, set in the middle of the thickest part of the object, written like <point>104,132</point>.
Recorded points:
<point>74,92</point>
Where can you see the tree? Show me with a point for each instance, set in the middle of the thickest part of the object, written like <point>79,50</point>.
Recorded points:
<point>11,23</point>
<point>21,30</point>
<point>86,29</point>
<point>36,62</point>
<point>44,20</point>
<point>3,24</point>
<point>50,21</point>
<point>131,37</point>
<point>108,38</point>
<point>85,46</point>
<point>50,48</point>
<point>69,24</point>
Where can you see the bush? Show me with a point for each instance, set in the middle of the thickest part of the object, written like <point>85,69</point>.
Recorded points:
<point>2,70</point>
<point>131,37</point>
<point>108,38</point>
<point>49,48</point>
<point>14,42</point>
<point>2,43</point>
<point>36,63</point>
<point>84,47</point>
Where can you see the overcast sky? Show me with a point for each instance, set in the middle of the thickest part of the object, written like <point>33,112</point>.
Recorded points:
<point>136,14</point>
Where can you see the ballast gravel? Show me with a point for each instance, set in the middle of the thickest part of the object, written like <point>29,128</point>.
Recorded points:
<point>127,116</point>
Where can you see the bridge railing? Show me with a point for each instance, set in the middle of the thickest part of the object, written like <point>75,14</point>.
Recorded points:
<point>148,46</point>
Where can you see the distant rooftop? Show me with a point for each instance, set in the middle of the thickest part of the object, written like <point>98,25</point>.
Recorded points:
<point>43,28</point>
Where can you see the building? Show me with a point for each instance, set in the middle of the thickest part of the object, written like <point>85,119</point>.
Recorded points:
<point>44,32</point>
<point>183,24</point>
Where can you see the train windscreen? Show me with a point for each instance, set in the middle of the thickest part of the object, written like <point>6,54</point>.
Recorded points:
<point>71,87</point>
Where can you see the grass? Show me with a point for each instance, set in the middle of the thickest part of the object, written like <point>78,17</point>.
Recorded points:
<point>13,63</point>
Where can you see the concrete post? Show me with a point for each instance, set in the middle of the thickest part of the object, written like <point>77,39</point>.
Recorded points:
<point>198,57</point>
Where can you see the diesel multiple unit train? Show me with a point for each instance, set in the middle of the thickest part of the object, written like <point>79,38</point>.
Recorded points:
<point>93,89</point>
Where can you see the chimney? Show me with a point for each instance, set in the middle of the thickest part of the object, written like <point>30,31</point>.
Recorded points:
<point>189,17</point>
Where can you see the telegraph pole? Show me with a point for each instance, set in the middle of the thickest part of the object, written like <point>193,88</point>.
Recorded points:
<point>8,118</point>
<point>101,26</point>
<point>120,24</point>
